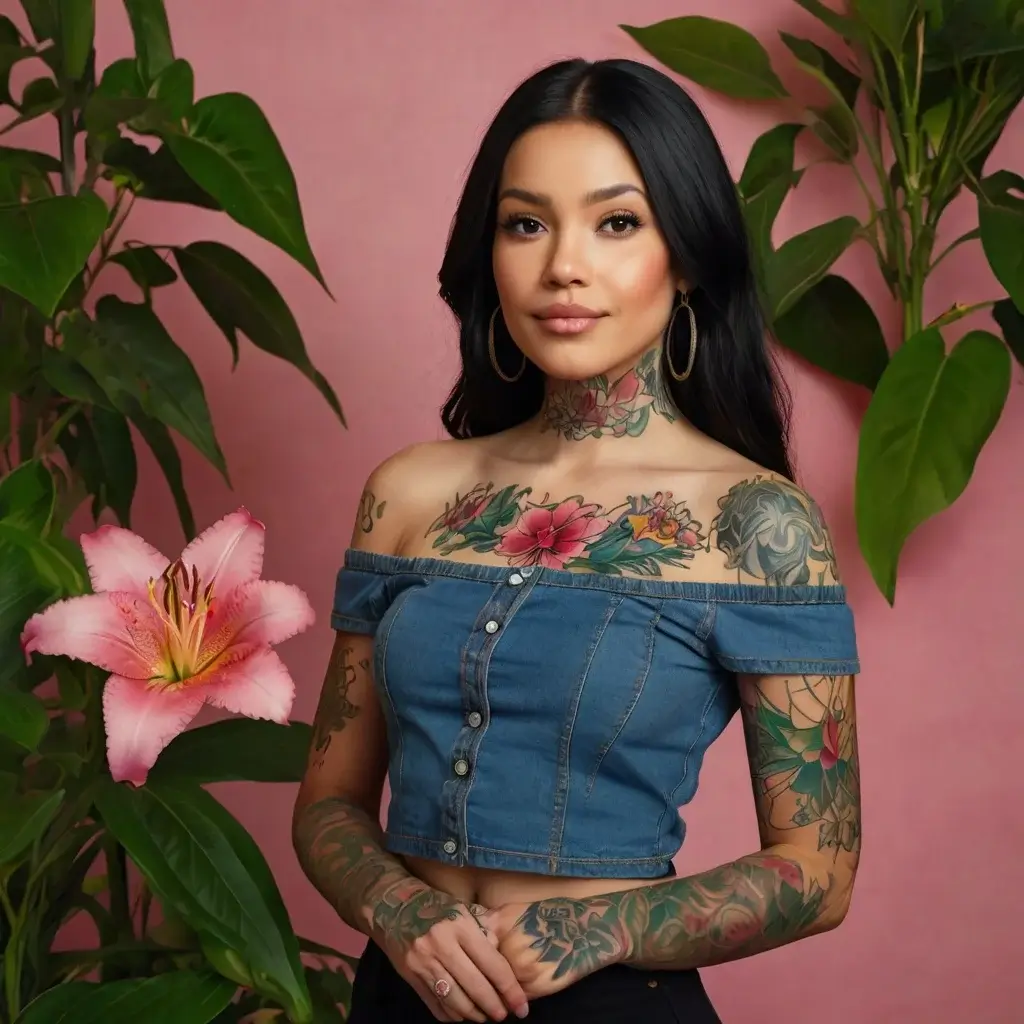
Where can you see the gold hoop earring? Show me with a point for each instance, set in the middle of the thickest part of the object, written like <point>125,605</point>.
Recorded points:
<point>683,301</point>
<point>494,359</point>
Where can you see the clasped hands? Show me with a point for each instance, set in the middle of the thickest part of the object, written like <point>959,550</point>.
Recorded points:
<point>476,964</point>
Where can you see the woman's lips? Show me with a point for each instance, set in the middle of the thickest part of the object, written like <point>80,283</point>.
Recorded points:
<point>568,324</point>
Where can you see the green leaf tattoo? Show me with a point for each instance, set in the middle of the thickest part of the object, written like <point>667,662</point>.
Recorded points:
<point>771,530</point>
<point>638,537</point>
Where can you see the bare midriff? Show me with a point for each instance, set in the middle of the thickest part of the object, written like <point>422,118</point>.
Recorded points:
<point>491,888</point>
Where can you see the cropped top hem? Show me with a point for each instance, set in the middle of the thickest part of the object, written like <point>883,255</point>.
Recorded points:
<point>531,863</point>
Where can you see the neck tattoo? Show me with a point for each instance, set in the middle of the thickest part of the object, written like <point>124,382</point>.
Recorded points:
<point>598,407</point>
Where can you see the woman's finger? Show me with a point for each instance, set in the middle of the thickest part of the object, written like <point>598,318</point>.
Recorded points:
<point>474,982</point>
<point>456,1003</point>
<point>495,968</point>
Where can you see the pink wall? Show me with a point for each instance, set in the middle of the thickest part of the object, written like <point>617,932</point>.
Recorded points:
<point>380,107</point>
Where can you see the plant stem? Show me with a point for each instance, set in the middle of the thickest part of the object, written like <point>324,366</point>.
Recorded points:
<point>117,879</point>
<point>968,237</point>
<point>13,956</point>
<point>110,237</point>
<point>67,147</point>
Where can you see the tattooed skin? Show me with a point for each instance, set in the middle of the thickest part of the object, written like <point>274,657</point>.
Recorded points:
<point>369,509</point>
<point>638,537</point>
<point>335,708</point>
<point>339,847</point>
<point>741,908</point>
<point>599,408</point>
<point>803,757</point>
<point>771,530</point>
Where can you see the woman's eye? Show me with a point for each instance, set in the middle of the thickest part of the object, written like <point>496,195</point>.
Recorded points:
<point>620,224</point>
<point>524,226</point>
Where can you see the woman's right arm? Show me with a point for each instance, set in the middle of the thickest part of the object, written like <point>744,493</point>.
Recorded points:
<point>424,932</point>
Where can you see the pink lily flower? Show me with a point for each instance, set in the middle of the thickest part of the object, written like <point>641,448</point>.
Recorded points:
<point>176,635</point>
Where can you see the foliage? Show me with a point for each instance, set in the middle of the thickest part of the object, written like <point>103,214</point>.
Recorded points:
<point>189,923</point>
<point>916,93</point>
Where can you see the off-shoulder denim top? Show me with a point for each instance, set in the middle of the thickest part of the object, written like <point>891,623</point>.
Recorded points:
<point>550,721</point>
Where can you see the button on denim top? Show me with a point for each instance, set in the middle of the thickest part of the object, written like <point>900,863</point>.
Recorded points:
<point>549,721</point>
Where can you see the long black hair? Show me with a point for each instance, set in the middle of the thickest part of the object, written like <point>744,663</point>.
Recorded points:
<point>735,394</point>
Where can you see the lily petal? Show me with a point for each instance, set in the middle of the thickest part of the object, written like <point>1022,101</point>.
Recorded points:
<point>258,614</point>
<point>257,685</point>
<point>140,721</point>
<point>117,631</point>
<point>121,560</point>
<point>230,552</point>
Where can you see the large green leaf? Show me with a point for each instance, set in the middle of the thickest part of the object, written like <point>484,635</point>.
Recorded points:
<point>155,175</point>
<point>161,444</point>
<point>117,460</point>
<point>236,749</point>
<point>23,593</point>
<point>27,497</point>
<point>804,260</point>
<point>1001,218</point>
<point>11,51</point>
<point>77,24</point>
<point>199,860</point>
<point>44,244</point>
<point>836,124</point>
<point>930,416</point>
<point>147,267</point>
<point>152,34</point>
<point>149,363</point>
<point>174,87</point>
<point>240,297</point>
<point>229,149</point>
<point>22,820</point>
<point>22,717</point>
<point>767,177</point>
<point>1011,322</point>
<point>887,19</point>
<point>833,327</point>
<point>817,61</point>
<point>845,26</point>
<point>712,53</point>
<point>42,18</point>
<point>177,997</point>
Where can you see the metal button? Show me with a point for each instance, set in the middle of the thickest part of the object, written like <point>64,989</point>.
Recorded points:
<point>491,627</point>
<point>461,767</point>
<point>652,983</point>
<point>475,718</point>
<point>515,579</point>
<point>527,572</point>
<point>450,846</point>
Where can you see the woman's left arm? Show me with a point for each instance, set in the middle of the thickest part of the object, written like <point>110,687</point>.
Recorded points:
<point>801,742</point>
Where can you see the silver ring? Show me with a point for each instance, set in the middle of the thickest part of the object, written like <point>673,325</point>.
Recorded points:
<point>442,989</point>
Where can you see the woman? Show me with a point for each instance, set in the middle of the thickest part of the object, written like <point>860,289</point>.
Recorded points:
<point>543,624</point>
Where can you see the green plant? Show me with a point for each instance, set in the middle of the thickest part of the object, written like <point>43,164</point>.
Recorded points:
<point>189,923</point>
<point>916,95</point>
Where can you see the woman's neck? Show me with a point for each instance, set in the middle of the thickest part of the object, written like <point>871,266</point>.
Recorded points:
<point>617,406</point>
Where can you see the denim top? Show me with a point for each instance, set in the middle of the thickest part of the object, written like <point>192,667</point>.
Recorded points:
<point>551,721</point>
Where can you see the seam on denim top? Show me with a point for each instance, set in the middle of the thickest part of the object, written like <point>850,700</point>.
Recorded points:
<point>691,590</point>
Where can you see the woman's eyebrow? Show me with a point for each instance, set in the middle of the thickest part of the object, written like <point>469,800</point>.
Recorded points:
<point>599,195</point>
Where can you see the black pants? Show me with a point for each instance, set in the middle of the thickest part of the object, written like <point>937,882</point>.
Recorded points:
<point>614,995</point>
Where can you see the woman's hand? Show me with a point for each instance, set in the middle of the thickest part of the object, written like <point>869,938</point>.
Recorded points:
<point>553,943</point>
<point>431,937</point>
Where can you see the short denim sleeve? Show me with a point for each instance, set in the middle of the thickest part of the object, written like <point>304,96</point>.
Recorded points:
<point>807,630</point>
<point>360,600</point>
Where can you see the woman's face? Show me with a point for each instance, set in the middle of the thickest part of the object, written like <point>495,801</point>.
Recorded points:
<point>574,228</point>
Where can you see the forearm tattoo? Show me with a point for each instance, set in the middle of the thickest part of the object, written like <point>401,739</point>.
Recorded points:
<point>335,709</point>
<point>732,911</point>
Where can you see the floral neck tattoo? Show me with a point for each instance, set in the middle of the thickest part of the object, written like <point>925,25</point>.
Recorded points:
<point>597,407</point>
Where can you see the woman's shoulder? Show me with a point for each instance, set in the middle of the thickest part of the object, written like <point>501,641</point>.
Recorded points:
<point>403,489</point>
